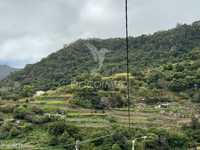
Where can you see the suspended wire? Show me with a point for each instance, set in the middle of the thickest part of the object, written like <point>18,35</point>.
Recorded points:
<point>128,85</point>
<point>127,65</point>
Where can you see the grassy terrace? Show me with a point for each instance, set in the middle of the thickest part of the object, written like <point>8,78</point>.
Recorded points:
<point>148,116</point>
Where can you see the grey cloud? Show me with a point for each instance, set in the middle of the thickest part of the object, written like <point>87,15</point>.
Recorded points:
<point>32,29</point>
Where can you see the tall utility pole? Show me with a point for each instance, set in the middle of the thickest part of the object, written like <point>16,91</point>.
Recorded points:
<point>127,64</point>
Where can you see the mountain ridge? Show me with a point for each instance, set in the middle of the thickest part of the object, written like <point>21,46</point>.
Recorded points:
<point>6,70</point>
<point>146,51</point>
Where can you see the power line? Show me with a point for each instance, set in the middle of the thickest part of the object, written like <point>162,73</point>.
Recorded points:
<point>78,143</point>
<point>127,64</point>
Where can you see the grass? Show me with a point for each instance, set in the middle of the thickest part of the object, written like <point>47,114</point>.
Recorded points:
<point>87,119</point>
<point>55,102</point>
<point>147,116</point>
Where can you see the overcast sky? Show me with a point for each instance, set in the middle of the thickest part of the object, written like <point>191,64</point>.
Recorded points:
<point>32,29</point>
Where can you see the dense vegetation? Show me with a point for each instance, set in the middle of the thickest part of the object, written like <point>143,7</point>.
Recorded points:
<point>78,105</point>
<point>146,51</point>
<point>49,127</point>
<point>5,71</point>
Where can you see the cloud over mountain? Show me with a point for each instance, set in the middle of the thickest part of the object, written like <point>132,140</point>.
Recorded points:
<point>30,30</point>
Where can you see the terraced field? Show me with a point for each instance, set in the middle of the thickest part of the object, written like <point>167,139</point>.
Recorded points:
<point>174,116</point>
<point>171,118</point>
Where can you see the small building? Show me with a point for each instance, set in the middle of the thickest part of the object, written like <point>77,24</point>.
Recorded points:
<point>39,93</point>
<point>163,105</point>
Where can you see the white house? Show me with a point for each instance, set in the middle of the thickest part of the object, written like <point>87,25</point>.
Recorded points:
<point>39,93</point>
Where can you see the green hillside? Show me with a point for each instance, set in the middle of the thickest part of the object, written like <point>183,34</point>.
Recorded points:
<point>5,71</point>
<point>146,51</point>
<point>83,99</point>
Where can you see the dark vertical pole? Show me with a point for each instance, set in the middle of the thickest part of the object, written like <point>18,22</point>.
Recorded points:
<point>127,63</point>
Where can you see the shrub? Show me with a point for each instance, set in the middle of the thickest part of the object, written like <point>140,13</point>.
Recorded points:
<point>64,137</point>
<point>63,134</point>
<point>73,131</point>
<point>116,147</point>
<point>178,85</point>
<point>6,127</point>
<point>4,135</point>
<point>115,100</point>
<point>57,128</point>
<point>66,140</point>
<point>1,118</point>
<point>14,132</point>
<point>20,112</point>
<point>179,67</point>
<point>27,127</point>
<point>177,140</point>
<point>167,140</point>
<point>112,119</point>
<point>5,130</point>
<point>154,76</point>
<point>196,97</point>
<point>36,119</point>
<point>54,141</point>
<point>37,110</point>
<point>27,91</point>
<point>195,124</point>
<point>121,140</point>
<point>86,96</point>
<point>9,108</point>
<point>168,67</point>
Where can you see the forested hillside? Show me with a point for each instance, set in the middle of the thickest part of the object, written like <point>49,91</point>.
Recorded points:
<point>84,95</point>
<point>180,44</point>
<point>5,71</point>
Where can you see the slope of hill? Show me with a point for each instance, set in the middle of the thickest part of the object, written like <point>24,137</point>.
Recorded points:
<point>164,79</point>
<point>5,71</point>
<point>146,51</point>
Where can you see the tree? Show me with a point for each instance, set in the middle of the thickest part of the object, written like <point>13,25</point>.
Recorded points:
<point>195,124</point>
<point>27,91</point>
<point>57,128</point>
<point>87,96</point>
<point>116,147</point>
<point>179,68</point>
<point>121,140</point>
<point>178,85</point>
<point>196,97</point>
<point>168,67</point>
